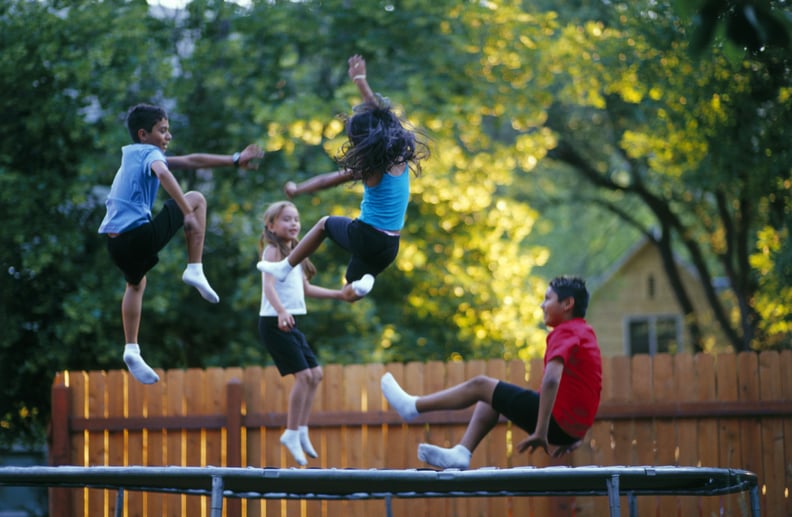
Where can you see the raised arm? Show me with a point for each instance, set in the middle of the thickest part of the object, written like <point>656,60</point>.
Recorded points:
<point>319,182</point>
<point>357,72</point>
<point>249,158</point>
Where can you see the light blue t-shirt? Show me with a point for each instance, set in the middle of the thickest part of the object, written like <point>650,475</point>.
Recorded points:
<point>385,204</point>
<point>134,189</point>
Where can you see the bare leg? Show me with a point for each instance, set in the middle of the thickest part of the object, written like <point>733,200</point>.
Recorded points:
<point>131,309</point>
<point>195,233</point>
<point>308,244</point>
<point>314,379</point>
<point>477,389</point>
<point>484,419</point>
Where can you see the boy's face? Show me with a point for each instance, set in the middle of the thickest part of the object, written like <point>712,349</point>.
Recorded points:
<point>159,136</point>
<point>555,311</point>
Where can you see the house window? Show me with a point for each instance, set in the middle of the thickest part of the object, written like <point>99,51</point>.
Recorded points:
<point>653,334</point>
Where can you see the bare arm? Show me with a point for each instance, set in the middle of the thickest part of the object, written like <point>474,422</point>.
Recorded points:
<point>320,182</point>
<point>315,291</point>
<point>171,186</point>
<point>551,379</point>
<point>248,159</point>
<point>357,72</point>
<point>285,318</point>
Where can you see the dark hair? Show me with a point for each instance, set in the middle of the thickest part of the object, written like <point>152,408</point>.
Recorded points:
<point>574,287</point>
<point>143,116</point>
<point>377,140</point>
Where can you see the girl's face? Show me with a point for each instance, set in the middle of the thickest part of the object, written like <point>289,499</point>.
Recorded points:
<point>286,224</point>
<point>555,311</point>
<point>160,135</point>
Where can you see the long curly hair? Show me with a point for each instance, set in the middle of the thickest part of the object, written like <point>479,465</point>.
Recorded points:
<point>284,246</point>
<point>377,140</point>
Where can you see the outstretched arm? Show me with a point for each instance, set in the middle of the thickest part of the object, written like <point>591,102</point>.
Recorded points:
<point>320,182</point>
<point>357,72</point>
<point>249,158</point>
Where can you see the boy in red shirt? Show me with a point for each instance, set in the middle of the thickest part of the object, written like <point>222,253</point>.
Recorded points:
<point>557,416</point>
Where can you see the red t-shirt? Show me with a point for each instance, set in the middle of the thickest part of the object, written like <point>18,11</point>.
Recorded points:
<point>576,404</point>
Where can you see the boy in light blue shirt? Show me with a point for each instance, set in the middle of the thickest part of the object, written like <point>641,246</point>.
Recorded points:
<point>135,236</point>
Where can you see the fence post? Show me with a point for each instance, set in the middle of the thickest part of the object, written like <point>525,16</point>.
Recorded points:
<point>234,436</point>
<point>59,454</point>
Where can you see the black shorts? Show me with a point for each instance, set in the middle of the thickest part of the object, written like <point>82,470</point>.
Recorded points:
<point>521,406</point>
<point>372,250</point>
<point>135,251</point>
<point>289,349</point>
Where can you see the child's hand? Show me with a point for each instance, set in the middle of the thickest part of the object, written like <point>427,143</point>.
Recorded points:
<point>533,442</point>
<point>250,157</point>
<point>357,67</point>
<point>290,189</point>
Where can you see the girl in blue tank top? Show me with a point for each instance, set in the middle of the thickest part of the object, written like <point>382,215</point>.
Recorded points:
<point>380,151</point>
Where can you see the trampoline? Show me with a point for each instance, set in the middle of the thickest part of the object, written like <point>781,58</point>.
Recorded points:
<point>274,483</point>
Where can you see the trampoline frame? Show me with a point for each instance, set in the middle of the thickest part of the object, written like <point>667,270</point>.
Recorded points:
<point>334,484</point>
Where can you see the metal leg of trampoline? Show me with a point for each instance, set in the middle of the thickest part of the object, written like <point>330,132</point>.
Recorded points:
<point>216,509</point>
<point>613,495</point>
<point>633,502</point>
<point>388,508</point>
<point>119,503</point>
<point>755,510</point>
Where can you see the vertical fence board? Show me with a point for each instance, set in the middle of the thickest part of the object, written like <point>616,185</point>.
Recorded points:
<point>251,449</point>
<point>709,439</point>
<point>97,448</point>
<point>686,388</point>
<point>79,441</point>
<point>455,374</point>
<point>665,429</point>
<point>155,453</point>
<point>785,360</point>
<point>135,444</point>
<point>117,445</point>
<point>727,385</point>
<point>772,438</point>
<point>434,380</point>
<point>275,455</point>
<point>174,406</point>
<point>750,428</point>
<point>195,400</point>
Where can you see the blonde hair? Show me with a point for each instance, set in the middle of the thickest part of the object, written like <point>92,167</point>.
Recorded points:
<point>284,247</point>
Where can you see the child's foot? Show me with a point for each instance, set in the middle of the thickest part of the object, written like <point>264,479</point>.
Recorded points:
<point>305,442</point>
<point>457,457</point>
<point>194,276</point>
<point>291,440</point>
<point>363,286</point>
<point>400,400</point>
<point>137,366</point>
<point>280,270</point>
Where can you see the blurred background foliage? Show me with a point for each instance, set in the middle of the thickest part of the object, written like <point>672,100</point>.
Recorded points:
<point>561,133</point>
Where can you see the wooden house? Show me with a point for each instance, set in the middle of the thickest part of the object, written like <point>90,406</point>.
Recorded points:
<point>633,308</point>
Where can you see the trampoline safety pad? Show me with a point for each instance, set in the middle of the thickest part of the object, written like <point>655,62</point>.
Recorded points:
<point>313,483</point>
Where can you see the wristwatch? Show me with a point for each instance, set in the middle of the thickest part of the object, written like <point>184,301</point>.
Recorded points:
<point>236,159</point>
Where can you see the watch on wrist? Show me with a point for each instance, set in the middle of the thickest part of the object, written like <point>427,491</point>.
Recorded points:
<point>236,159</point>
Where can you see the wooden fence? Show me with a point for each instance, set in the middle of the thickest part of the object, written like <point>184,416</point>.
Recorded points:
<point>703,410</point>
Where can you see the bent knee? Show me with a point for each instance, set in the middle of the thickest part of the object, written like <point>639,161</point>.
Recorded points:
<point>195,199</point>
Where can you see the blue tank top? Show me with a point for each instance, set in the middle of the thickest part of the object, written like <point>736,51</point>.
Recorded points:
<point>385,204</point>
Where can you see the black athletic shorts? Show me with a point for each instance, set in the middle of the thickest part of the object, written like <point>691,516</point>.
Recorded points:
<point>372,250</point>
<point>521,406</point>
<point>135,251</point>
<point>289,349</point>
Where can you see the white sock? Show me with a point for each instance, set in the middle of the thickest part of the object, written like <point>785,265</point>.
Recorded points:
<point>457,457</point>
<point>280,270</point>
<point>137,366</point>
<point>194,276</point>
<point>305,442</point>
<point>363,286</point>
<point>400,400</point>
<point>291,439</point>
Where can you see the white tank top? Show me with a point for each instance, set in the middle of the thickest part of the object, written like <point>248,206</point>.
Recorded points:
<point>290,292</point>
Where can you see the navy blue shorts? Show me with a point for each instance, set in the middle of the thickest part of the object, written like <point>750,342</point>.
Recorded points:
<point>290,351</point>
<point>135,251</point>
<point>372,250</point>
<point>521,406</point>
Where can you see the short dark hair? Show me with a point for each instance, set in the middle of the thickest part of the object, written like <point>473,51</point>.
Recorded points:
<point>575,287</point>
<point>143,116</point>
